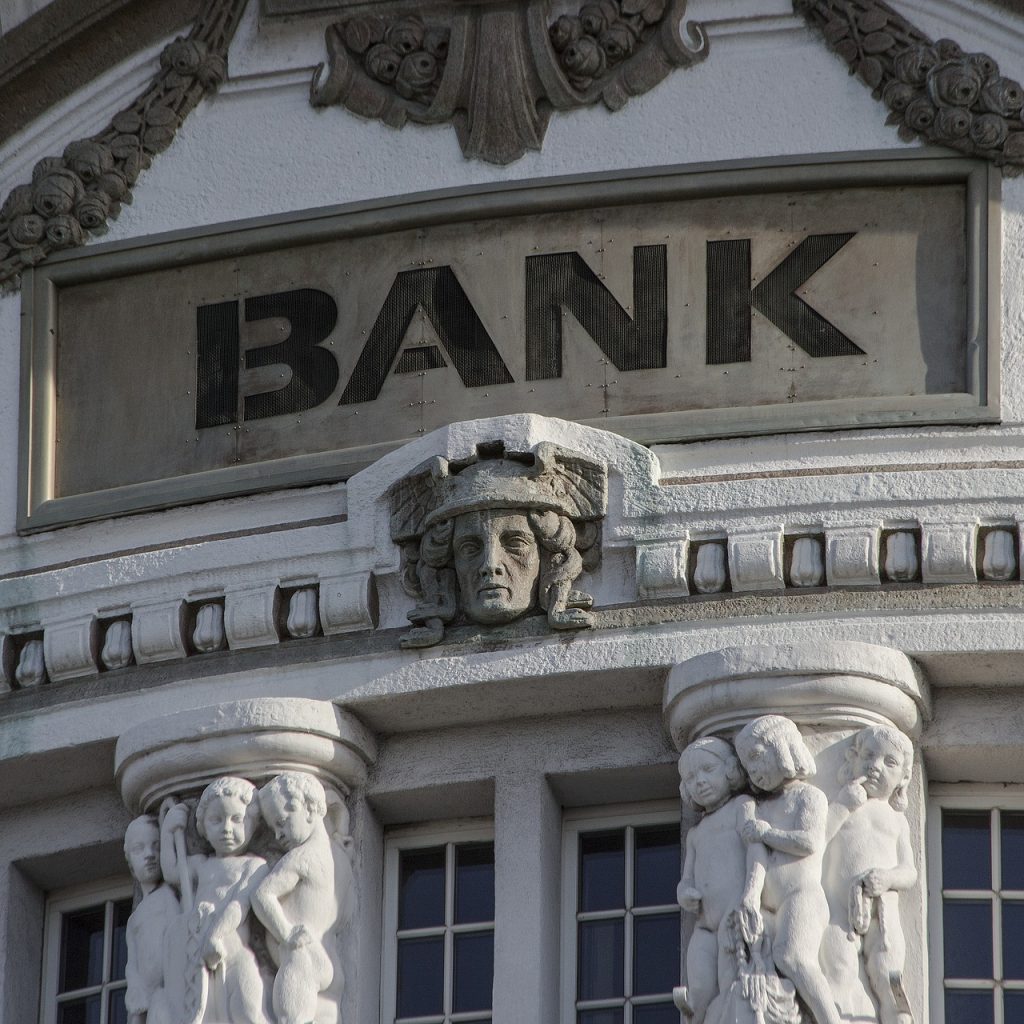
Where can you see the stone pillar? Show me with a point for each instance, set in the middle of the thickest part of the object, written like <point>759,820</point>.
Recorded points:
<point>243,853</point>
<point>806,867</point>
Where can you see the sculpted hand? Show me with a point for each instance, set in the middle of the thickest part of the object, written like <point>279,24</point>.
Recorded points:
<point>214,956</point>
<point>751,922</point>
<point>688,898</point>
<point>875,882</point>
<point>853,794</point>
<point>754,831</point>
<point>299,936</point>
<point>176,818</point>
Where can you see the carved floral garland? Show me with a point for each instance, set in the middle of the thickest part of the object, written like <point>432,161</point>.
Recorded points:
<point>934,90</point>
<point>79,192</point>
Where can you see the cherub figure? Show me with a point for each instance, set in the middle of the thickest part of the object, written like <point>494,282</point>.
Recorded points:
<point>225,982</point>
<point>303,900</point>
<point>785,834</point>
<point>714,869</point>
<point>869,862</point>
<point>145,997</point>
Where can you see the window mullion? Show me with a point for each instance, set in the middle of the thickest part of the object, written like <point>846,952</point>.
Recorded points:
<point>449,920</point>
<point>627,929</point>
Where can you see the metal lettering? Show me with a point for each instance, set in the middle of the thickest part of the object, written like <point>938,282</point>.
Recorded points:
<point>563,280</point>
<point>216,364</point>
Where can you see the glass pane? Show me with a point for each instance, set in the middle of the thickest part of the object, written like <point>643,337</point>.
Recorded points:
<point>967,938</point>
<point>1012,827</point>
<point>474,882</point>
<point>421,888</point>
<point>655,954</point>
<point>600,973</point>
<point>656,1013</point>
<point>1013,940</point>
<point>420,976</point>
<point>1013,1006</point>
<point>603,870</point>
<point>79,1011</point>
<point>657,867</point>
<point>609,1015</point>
<point>116,1012</point>
<point>81,949</point>
<point>119,954</point>
<point>966,853</point>
<point>968,1007</point>
<point>474,971</point>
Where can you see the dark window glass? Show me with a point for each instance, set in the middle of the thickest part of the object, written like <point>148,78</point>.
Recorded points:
<point>82,949</point>
<point>966,850</point>
<point>79,1011</point>
<point>1013,940</point>
<point>420,976</point>
<point>603,870</point>
<point>967,938</point>
<point>421,888</point>
<point>116,1012</point>
<point>474,971</point>
<point>609,1015</point>
<point>655,1013</point>
<point>969,1007</point>
<point>1013,1007</point>
<point>600,968</point>
<point>1012,827</point>
<point>474,883</point>
<point>122,911</point>
<point>656,866</point>
<point>655,954</point>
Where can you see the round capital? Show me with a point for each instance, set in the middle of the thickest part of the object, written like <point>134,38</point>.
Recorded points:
<point>253,738</point>
<point>839,684</point>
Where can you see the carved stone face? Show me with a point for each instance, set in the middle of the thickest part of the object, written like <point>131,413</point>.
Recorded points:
<point>227,825</point>
<point>142,848</point>
<point>761,762</point>
<point>290,818</point>
<point>706,778</point>
<point>880,765</point>
<point>497,562</point>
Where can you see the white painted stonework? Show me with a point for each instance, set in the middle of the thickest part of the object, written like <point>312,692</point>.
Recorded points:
<point>808,644</point>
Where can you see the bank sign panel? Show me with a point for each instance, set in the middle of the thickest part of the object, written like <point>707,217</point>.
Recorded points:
<point>668,306</point>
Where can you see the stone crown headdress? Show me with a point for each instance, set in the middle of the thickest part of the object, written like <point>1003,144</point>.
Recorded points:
<point>546,479</point>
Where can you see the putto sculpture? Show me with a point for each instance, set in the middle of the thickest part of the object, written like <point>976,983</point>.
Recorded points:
<point>497,536</point>
<point>797,897</point>
<point>244,894</point>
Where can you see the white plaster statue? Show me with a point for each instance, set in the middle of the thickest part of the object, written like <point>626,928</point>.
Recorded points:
<point>497,537</point>
<point>869,862</point>
<point>714,871</point>
<point>786,833</point>
<point>303,901</point>
<point>224,984</point>
<point>156,914</point>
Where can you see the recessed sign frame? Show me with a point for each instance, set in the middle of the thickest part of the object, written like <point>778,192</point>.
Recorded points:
<point>667,305</point>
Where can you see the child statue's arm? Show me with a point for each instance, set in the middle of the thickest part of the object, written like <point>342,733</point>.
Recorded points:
<point>175,820</point>
<point>266,901</point>
<point>809,835</point>
<point>898,879</point>
<point>687,894</point>
<point>751,921</point>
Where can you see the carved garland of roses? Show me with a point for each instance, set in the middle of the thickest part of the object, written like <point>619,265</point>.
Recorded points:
<point>934,90</point>
<point>77,193</point>
<point>603,34</point>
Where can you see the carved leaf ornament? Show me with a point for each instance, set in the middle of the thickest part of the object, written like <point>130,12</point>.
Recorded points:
<point>497,72</point>
<point>934,90</point>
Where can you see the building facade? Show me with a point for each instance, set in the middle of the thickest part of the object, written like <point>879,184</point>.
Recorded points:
<point>511,512</point>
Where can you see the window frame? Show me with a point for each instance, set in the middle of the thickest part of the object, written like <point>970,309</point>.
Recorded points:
<point>595,819</point>
<point>106,891</point>
<point>417,837</point>
<point>967,797</point>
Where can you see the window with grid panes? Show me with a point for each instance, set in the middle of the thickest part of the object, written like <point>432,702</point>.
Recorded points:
<point>86,953</point>
<point>624,951</point>
<point>439,900</point>
<point>982,871</point>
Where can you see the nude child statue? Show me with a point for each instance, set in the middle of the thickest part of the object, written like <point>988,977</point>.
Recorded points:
<point>714,869</point>
<point>786,835</point>
<point>303,901</point>
<point>869,862</point>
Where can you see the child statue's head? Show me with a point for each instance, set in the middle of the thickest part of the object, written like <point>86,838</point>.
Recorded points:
<point>772,751</point>
<point>883,758</point>
<point>227,815</point>
<point>142,850</point>
<point>292,804</point>
<point>709,773</point>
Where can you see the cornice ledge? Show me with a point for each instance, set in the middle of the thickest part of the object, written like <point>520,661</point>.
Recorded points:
<point>934,91</point>
<point>76,194</point>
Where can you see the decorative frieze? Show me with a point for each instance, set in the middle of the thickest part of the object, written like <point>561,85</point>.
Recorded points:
<point>902,557</point>
<point>851,556</point>
<point>807,562</point>
<point>69,649</point>
<point>949,553</point>
<point>158,631</point>
<point>661,570</point>
<point>117,645</point>
<point>999,555</point>
<point>710,569</point>
<point>755,560</point>
<point>250,617</point>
